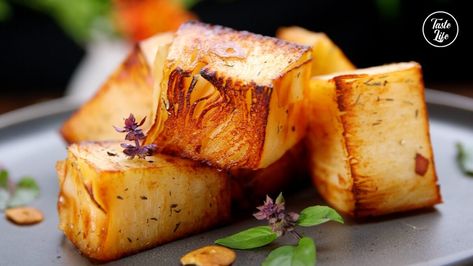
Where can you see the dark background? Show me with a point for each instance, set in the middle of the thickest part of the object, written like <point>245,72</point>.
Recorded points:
<point>38,58</point>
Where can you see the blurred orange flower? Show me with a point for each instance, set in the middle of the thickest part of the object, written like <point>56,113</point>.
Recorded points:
<point>140,19</point>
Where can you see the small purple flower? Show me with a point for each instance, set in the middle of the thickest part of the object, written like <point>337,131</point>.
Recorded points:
<point>269,209</point>
<point>280,221</point>
<point>133,130</point>
<point>135,133</point>
<point>140,151</point>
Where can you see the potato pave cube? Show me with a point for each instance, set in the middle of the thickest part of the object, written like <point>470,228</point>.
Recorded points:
<point>111,206</point>
<point>232,99</point>
<point>369,140</point>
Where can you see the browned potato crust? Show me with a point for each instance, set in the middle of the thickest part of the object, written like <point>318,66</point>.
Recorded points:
<point>368,129</point>
<point>110,206</point>
<point>232,99</point>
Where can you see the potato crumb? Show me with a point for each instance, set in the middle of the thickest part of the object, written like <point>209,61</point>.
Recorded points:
<point>209,255</point>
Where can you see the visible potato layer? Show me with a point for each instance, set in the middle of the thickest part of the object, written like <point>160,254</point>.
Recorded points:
<point>127,90</point>
<point>110,206</point>
<point>231,99</point>
<point>368,131</point>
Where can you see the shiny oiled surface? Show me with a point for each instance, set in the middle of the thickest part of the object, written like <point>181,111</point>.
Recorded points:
<point>438,236</point>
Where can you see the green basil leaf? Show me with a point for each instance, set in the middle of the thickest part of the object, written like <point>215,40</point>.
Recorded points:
<point>316,215</point>
<point>4,179</point>
<point>26,191</point>
<point>281,256</point>
<point>465,158</point>
<point>251,238</point>
<point>304,254</point>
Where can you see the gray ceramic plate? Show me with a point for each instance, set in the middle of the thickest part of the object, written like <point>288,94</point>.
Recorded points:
<point>30,145</point>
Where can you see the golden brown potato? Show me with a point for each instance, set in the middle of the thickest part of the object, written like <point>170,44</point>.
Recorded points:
<point>232,99</point>
<point>106,199</point>
<point>110,206</point>
<point>327,57</point>
<point>127,90</point>
<point>369,139</point>
<point>150,46</point>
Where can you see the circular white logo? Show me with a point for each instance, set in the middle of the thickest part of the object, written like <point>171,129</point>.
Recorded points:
<point>440,29</point>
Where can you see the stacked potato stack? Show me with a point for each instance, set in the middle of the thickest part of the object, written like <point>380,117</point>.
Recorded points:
<point>232,114</point>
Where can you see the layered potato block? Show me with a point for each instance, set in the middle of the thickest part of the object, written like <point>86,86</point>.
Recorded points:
<point>127,90</point>
<point>232,99</point>
<point>110,206</point>
<point>327,56</point>
<point>369,140</point>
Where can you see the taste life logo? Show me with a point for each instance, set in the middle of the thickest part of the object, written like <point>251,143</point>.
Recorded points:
<point>440,29</point>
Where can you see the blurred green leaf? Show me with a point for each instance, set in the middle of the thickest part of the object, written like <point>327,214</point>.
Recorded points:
<point>389,9</point>
<point>189,3</point>
<point>4,179</point>
<point>5,10</point>
<point>4,194</point>
<point>77,18</point>
<point>465,158</point>
<point>26,191</point>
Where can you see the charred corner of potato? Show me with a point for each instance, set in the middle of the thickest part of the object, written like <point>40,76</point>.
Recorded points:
<point>327,56</point>
<point>127,90</point>
<point>232,99</point>
<point>370,149</point>
<point>111,206</point>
